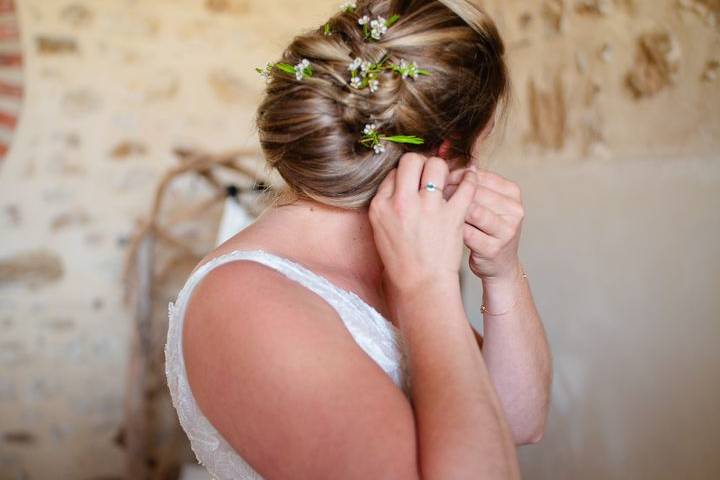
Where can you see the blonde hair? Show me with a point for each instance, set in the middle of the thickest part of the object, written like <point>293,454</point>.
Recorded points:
<point>309,130</point>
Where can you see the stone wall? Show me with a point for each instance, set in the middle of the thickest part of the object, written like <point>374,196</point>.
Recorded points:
<point>611,95</point>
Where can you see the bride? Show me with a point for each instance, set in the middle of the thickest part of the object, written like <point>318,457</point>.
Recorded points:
<point>341,348</point>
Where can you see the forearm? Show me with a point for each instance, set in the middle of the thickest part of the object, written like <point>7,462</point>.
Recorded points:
<point>461,428</point>
<point>517,355</point>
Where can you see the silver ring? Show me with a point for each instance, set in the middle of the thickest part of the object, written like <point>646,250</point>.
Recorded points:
<point>431,187</point>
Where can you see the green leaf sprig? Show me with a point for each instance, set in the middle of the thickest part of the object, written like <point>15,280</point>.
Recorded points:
<point>371,138</point>
<point>365,73</point>
<point>301,70</point>
<point>265,72</point>
<point>408,69</point>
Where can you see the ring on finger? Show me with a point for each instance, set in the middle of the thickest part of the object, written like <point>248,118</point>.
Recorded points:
<point>432,187</point>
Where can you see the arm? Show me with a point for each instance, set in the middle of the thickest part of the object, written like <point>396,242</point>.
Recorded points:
<point>517,355</point>
<point>515,348</point>
<point>461,427</point>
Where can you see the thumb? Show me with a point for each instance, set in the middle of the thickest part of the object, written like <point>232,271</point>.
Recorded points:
<point>465,192</point>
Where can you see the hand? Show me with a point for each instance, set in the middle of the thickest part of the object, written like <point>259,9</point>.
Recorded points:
<point>419,233</point>
<point>493,224</point>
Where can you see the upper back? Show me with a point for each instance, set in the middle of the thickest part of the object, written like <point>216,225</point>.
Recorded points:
<point>275,355</point>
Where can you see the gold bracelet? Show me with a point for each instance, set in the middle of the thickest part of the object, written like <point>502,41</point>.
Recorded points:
<point>484,310</point>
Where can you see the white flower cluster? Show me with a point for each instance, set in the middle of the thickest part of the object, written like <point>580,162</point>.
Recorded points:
<point>355,64</point>
<point>355,81</point>
<point>265,73</point>
<point>348,6</point>
<point>300,68</point>
<point>364,66</point>
<point>378,26</point>
<point>408,69</point>
<point>370,130</point>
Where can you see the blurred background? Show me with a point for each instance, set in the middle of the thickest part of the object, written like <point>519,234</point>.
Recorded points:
<point>128,151</point>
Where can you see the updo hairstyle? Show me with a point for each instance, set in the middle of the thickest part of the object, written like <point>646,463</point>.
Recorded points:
<point>309,129</point>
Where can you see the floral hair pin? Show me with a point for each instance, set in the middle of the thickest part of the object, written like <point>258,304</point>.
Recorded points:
<point>349,6</point>
<point>371,138</point>
<point>301,70</point>
<point>406,69</point>
<point>374,29</point>
<point>365,74</point>
<point>265,72</point>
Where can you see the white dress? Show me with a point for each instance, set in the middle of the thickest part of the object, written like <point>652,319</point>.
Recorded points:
<point>379,338</point>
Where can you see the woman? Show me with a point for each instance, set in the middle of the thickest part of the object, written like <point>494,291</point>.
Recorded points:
<point>342,349</point>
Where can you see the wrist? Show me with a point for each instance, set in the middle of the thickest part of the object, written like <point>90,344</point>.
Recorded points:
<point>414,285</point>
<point>501,294</point>
<point>426,294</point>
<point>510,275</point>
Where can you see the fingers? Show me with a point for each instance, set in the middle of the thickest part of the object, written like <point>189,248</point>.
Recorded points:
<point>499,183</point>
<point>489,179</point>
<point>435,171</point>
<point>387,186</point>
<point>479,241</point>
<point>409,170</point>
<point>483,218</point>
<point>463,196</point>
<point>499,203</point>
<point>456,175</point>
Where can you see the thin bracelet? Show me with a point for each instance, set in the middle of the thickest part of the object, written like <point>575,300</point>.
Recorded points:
<point>484,309</point>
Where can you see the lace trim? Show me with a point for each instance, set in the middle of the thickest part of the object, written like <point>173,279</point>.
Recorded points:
<point>379,338</point>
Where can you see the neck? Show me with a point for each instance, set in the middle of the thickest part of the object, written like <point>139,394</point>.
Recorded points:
<point>333,238</point>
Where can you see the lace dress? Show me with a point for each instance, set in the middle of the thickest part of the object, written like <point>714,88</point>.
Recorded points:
<point>379,338</point>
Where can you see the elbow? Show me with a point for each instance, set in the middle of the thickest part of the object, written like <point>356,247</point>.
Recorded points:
<point>532,430</point>
<point>529,438</point>
<point>531,434</point>
<point>535,436</point>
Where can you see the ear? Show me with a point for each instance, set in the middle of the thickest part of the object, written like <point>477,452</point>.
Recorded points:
<point>443,153</point>
<point>443,149</point>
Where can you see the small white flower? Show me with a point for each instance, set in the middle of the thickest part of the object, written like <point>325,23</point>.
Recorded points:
<point>378,27</point>
<point>413,70</point>
<point>408,69</point>
<point>365,66</point>
<point>300,68</point>
<point>379,148</point>
<point>380,20</point>
<point>374,85</point>
<point>376,34</point>
<point>266,72</point>
<point>363,20</point>
<point>355,64</point>
<point>348,6</point>
<point>369,128</point>
<point>355,82</point>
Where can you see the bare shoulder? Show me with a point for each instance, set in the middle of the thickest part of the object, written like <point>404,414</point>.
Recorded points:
<point>274,369</point>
